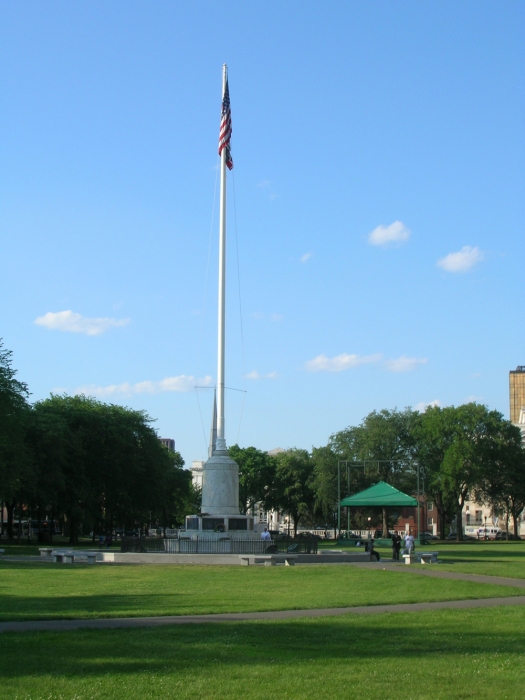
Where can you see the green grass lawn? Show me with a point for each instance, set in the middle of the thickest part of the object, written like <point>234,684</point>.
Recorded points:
<point>487,558</point>
<point>32,591</point>
<point>439,655</point>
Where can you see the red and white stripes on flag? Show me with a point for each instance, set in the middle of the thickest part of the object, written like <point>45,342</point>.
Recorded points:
<point>226,127</point>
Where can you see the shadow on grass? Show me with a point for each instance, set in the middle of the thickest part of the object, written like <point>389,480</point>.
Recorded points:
<point>71,607</point>
<point>201,648</point>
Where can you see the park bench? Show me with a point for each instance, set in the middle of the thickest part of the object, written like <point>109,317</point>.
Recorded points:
<point>428,557</point>
<point>63,556</point>
<point>68,556</point>
<point>1,552</point>
<point>89,557</point>
<point>45,551</point>
<point>267,559</point>
<point>422,557</point>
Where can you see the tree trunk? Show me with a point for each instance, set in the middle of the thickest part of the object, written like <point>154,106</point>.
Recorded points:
<point>459,523</point>
<point>515,522</point>
<point>10,508</point>
<point>19,523</point>
<point>73,531</point>
<point>385,522</point>
<point>295,518</point>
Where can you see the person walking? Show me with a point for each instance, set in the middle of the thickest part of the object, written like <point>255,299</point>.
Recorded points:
<point>396,546</point>
<point>409,542</point>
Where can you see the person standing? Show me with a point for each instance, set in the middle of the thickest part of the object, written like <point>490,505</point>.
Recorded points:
<point>265,535</point>
<point>396,546</point>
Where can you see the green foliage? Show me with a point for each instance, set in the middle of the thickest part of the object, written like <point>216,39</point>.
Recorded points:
<point>293,490</point>
<point>104,463</point>
<point>461,449</point>
<point>256,476</point>
<point>15,458</point>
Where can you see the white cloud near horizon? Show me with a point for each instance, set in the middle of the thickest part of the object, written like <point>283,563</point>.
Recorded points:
<point>305,258</point>
<point>322,363</point>
<point>404,364</point>
<point>389,236</point>
<point>259,316</point>
<point>254,374</point>
<point>71,322</point>
<point>422,406</point>
<point>462,261</point>
<point>181,383</point>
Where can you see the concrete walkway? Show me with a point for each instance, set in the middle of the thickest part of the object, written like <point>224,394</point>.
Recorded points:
<point>133,622</point>
<point>433,572</point>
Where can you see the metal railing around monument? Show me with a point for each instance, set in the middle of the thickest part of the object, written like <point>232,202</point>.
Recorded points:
<point>207,545</point>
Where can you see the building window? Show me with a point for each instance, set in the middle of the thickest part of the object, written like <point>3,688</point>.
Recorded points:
<point>430,505</point>
<point>430,522</point>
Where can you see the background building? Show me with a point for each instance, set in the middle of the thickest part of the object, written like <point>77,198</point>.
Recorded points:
<point>168,443</point>
<point>517,393</point>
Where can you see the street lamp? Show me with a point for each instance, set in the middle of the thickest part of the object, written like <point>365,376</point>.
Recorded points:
<point>369,533</point>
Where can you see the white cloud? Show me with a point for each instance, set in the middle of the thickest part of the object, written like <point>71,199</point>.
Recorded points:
<point>181,383</point>
<point>423,405</point>
<point>254,374</point>
<point>321,363</point>
<point>387,236</point>
<point>473,399</point>
<point>305,258</point>
<point>267,186</point>
<point>462,261</point>
<point>71,322</point>
<point>404,364</point>
<point>258,316</point>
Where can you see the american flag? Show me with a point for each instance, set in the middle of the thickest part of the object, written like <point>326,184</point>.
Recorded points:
<point>225,132</point>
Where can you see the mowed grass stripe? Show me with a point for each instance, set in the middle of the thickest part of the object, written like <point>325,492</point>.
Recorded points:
<point>436,655</point>
<point>41,591</point>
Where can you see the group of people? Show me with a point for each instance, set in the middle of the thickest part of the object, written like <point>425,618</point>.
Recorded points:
<point>397,541</point>
<point>396,544</point>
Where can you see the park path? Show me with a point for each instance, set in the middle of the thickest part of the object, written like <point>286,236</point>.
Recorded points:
<point>134,622</point>
<point>429,570</point>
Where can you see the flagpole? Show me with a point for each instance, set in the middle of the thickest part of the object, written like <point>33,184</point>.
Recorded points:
<point>221,440</point>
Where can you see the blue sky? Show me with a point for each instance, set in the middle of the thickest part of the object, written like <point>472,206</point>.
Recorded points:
<point>378,218</point>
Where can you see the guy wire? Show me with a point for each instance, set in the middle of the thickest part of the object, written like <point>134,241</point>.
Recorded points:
<point>240,305</point>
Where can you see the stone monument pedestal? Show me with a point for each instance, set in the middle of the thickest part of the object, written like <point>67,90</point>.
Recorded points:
<point>220,501</point>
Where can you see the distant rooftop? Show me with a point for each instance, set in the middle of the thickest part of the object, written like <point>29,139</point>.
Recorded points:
<point>520,368</point>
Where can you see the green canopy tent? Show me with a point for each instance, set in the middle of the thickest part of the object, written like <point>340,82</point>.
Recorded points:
<point>381,495</point>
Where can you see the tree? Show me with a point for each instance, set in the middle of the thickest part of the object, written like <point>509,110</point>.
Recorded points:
<point>293,486</point>
<point>324,482</point>
<point>15,458</point>
<point>502,485</point>
<point>383,441</point>
<point>457,446</point>
<point>104,464</point>
<point>256,476</point>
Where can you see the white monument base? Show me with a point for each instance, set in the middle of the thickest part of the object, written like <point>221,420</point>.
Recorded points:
<point>215,525</point>
<point>220,485</point>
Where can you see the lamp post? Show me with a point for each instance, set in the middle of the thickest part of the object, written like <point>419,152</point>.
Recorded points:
<point>369,533</point>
